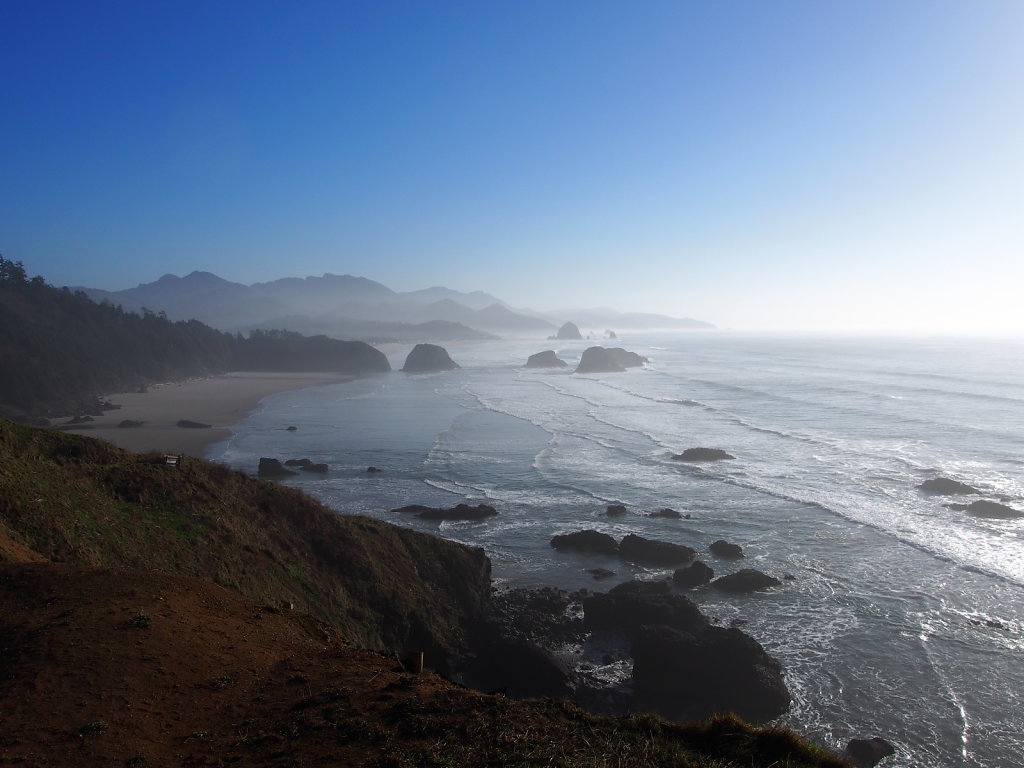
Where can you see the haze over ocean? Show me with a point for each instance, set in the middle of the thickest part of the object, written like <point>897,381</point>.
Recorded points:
<point>906,618</point>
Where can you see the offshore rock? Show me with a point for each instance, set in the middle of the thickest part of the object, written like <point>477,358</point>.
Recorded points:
<point>725,549</point>
<point>625,358</point>
<point>428,358</point>
<point>545,359</point>
<point>568,331</point>
<point>667,513</point>
<point>597,360</point>
<point>982,508</point>
<point>703,454</point>
<point>693,575</point>
<point>458,512</point>
<point>273,468</point>
<point>641,550</point>
<point>694,675</point>
<point>586,541</point>
<point>943,486</point>
<point>635,604</point>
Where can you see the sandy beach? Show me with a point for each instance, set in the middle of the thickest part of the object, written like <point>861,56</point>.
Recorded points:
<point>219,401</point>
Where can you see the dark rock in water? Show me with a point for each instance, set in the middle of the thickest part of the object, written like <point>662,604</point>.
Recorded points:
<point>298,463</point>
<point>374,469</point>
<point>428,358</point>
<point>597,360</point>
<point>746,580</point>
<point>868,752</point>
<point>186,424</point>
<point>943,486</point>
<point>629,609</point>
<point>311,467</point>
<point>568,331</point>
<point>642,587</point>
<point>273,468</point>
<point>983,508</point>
<point>600,573</point>
<point>703,454</point>
<point>670,514</point>
<point>546,359</point>
<point>615,510</point>
<point>610,334</point>
<point>80,420</point>
<point>789,577</point>
<point>586,541</point>
<point>957,507</point>
<point>292,429</point>
<point>723,548</point>
<point>693,675</point>
<point>641,550</point>
<point>458,512</point>
<point>626,358</point>
<point>693,575</point>
<point>129,424</point>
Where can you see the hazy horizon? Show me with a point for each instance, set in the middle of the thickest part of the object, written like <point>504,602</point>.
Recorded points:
<point>798,166</point>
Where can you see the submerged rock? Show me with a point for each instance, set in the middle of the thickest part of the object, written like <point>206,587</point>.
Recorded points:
<point>746,580</point>
<point>982,508</point>
<point>546,359</point>
<point>615,510</point>
<point>703,454</point>
<point>668,513</point>
<point>428,358</point>
<point>641,550</point>
<point>943,486</point>
<point>586,541</point>
<point>458,512</point>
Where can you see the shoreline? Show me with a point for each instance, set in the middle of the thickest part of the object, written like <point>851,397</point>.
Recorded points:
<point>220,401</point>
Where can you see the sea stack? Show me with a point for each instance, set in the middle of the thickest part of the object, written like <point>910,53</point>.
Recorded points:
<point>428,358</point>
<point>569,331</point>
<point>597,360</point>
<point>545,359</point>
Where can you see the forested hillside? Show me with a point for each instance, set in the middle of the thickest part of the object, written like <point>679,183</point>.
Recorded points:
<point>59,350</point>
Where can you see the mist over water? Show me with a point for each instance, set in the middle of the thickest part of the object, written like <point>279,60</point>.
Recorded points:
<point>906,618</point>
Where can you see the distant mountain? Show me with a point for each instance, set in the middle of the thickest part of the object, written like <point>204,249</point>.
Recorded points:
<point>347,306</point>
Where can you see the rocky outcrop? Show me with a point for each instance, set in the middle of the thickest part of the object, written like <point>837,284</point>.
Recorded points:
<point>667,513</point>
<point>725,549</point>
<point>597,360</point>
<point>615,510</point>
<point>634,604</point>
<point>458,512</point>
<point>869,752</point>
<point>693,575</point>
<point>428,358</point>
<point>625,358</point>
<point>640,550</point>
<point>298,462</point>
<point>318,468</point>
<point>983,508</point>
<point>703,454</point>
<point>693,675</point>
<point>273,468</point>
<point>746,580</point>
<point>944,486</point>
<point>586,541</point>
<point>545,359</point>
<point>568,331</point>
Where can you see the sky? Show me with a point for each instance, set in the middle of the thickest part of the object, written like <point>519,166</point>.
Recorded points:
<point>852,165</point>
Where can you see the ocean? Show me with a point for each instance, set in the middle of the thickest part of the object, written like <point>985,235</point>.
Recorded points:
<point>906,617</point>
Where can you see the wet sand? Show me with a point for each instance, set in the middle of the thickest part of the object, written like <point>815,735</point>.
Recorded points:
<point>219,401</point>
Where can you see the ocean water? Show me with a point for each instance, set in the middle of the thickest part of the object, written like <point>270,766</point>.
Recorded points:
<point>906,617</point>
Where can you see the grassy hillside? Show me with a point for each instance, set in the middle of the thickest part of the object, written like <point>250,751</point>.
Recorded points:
<point>77,500</point>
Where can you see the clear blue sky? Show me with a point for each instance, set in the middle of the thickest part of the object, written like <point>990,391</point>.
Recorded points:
<point>770,164</point>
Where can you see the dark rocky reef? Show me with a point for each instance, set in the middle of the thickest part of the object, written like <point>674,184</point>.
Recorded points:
<point>568,331</point>
<point>428,358</point>
<point>745,580</point>
<point>694,575</point>
<point>615,510</point>
<point>667,513</point>
<point>273,468</point>
<point>634,604</point>
<point>613,360</point>
<point>866,753</point>
<point>993,509</point>
<point>545,359</point>
<point>186,424</point>
<point>458,512</point>
<point>725,549</point>
<point>693,675</point>
<point>703,454</point>
<point>944,486</point>
<point>641,550</point>
<point>586,541</point>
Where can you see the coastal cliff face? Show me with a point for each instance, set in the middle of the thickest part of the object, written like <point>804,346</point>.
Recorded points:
<point>71,499</point>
